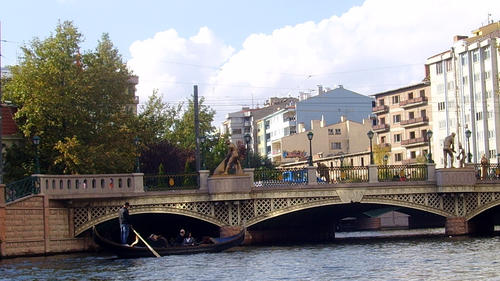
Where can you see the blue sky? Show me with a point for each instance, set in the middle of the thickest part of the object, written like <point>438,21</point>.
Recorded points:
<point>242,52</point>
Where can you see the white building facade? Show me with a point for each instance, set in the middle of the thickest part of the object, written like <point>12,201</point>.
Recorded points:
<point>465,95</point>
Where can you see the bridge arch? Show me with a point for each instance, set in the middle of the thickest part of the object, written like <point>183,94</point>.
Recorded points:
<point>149,210</point>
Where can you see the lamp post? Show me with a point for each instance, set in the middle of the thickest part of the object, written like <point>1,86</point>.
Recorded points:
<point>370,136</point>
<point>202,142</point>
<point>386,158</point>
<point>36,143</point>
<point>469,155</point>
<point>247,141</point>
<point>310,137</point>
<point>428,134</point>
<point>137,164</point>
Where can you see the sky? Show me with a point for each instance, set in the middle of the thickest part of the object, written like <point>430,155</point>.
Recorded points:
<point>240,53</point>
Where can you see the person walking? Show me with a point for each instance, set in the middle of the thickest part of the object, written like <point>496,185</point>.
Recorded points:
<point>124,218</point>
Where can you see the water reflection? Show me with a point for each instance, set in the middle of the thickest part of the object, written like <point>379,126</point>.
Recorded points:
<point>443,258</point>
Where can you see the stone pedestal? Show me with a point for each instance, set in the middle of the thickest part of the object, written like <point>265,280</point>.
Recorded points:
<point>229,184</point>
<point>372,173</point>
<point>311,176</point>
<point>204,179</point>
<point>454,178</point>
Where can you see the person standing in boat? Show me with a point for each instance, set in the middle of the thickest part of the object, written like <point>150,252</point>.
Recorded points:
<point>189,240</point>
<point>124,218</point>
<point>179,240</point>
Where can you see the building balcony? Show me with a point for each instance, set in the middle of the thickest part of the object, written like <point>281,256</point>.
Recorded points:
<point>381,128</point>
<point>419,121</point>
<point>409,161</point>
<point>413,102</point>
<point>380,109</point>
<point>414,142</point>
<point>384,145</point>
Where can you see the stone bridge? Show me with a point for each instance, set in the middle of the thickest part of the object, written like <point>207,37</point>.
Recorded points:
<point>234,201</point>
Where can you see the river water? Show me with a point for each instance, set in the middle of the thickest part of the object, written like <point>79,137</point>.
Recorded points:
<point>430,258</point>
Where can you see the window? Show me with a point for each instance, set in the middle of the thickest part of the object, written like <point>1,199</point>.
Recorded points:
<point>410,95</point>
<point>381,102</point>
<point>397,137</point>
<point>398,157</point>
<point>491,134</point>
<point>382,139</point>
<point>464,59</point>
<point>412,135</point>
<point>475,56</point>
<point>423,113</point>
<point>465,80</point>
<point>486,53</point>
<point>441,106</point>
<point>411,115</point>
<point>493,153</point>
<point>487,75</point>
<point>449,65</point>
<point>439,68</point>
<point>330,131</point>
<point>336,145</point>
<point>236,131</point>
<point>476,77</point>
<point>337,131</point>
<point>422,93</point>
<point>413,154</point>
<point>382,120</point>
<point>396,118</point>
<point>479,116</point>
<point>395,99</point>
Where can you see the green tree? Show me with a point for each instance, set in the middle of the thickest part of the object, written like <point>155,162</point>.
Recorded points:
<point>76,103</point>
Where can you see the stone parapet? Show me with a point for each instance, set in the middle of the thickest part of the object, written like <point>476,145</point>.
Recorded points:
<point>91,184</point>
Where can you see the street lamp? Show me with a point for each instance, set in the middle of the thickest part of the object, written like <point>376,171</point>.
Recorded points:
<point>469,155</point>
<point>370,136</point>
<point>310,137</point>
<point>247,141</point>
<point>428,134</point>
<point>36,142</point>
<point>137,165</point>
<point>202,142</point>
<point>386,158</point>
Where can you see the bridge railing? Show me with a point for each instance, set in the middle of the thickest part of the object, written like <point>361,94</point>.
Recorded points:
<point>21,188</point>
<point>488,172</point>
<point>280,177</point>
<point>86,184</point>
<point>347,174</point>
<point>402,173</point>
<point>171,182</point>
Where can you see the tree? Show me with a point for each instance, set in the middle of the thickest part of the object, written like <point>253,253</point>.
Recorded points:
<point>76,103</point>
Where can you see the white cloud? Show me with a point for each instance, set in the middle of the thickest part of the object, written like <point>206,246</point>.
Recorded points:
<point>378,46</point>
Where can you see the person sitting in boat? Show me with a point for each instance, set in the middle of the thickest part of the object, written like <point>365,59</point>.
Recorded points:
<point>179,240</point>
<point>189,240</point>
<point>157,241</point>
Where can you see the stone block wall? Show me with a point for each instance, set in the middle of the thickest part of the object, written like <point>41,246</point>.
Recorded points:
<point>32,226</point>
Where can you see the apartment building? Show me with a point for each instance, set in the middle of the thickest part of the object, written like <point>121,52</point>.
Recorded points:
<point>465,96</point>
<point>403,117</point>
<point>341,138</point>
<point>245,121</point>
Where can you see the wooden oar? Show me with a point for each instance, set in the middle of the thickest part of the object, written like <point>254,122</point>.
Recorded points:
<point>149,247</point>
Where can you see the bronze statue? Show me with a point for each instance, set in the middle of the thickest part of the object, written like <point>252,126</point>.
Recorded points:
<point>484,167</point>
<point>449,149</point>
<point>232,159</point>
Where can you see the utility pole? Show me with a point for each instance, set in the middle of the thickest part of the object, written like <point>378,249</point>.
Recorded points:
<point>196,127</point>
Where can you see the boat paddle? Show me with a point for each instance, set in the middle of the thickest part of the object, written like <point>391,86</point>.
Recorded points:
<point>147,245</point>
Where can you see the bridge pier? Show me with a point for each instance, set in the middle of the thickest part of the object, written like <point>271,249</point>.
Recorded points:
<point>456,226</point>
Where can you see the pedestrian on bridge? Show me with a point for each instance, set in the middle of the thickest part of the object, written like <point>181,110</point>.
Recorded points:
<point>124,219</point>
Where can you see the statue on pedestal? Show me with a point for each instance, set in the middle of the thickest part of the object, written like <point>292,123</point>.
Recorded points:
<point>231,160</point>
<point>449,149</point>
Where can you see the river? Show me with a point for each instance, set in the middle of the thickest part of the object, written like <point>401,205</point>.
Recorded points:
<point>430,258</point>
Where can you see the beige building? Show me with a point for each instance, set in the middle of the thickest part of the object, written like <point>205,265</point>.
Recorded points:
<point>403,117</point>
<point>330,141</point>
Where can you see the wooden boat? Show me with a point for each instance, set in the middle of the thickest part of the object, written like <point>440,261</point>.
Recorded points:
<point>125,251</point>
